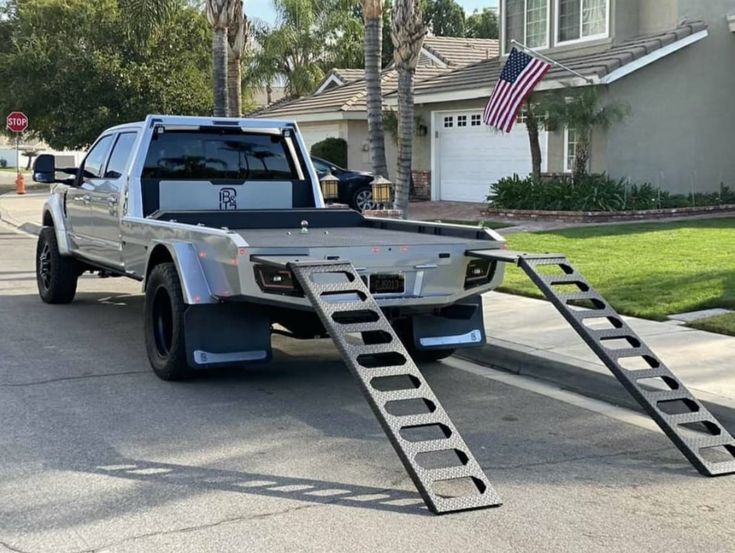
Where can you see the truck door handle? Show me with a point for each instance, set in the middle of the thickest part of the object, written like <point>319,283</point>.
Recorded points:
<point>86,198</point>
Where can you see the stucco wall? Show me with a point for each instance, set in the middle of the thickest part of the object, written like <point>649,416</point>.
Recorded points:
<point>682,113</point>
<point>659,15</point>
<point>358,152</point>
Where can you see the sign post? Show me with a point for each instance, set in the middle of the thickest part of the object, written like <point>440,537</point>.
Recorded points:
<point>17,122</point>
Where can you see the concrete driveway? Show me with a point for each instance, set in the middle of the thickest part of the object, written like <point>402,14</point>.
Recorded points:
<point>99,455</point>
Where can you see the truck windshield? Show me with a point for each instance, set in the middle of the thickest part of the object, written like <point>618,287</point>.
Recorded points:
<point>218,155</point>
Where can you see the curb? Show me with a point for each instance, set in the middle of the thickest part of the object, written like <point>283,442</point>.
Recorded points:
<point>577,376</point>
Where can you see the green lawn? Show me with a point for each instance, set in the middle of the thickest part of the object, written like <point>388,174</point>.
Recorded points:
<point>722,324</point>
<point>645,270</point>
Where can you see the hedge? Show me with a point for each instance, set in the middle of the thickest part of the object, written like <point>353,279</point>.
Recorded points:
<point>594,193</point>
<point>331,149</point>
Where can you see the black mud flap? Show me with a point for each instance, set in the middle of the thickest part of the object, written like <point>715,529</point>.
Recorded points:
<point>461,325</point>
<point>227,335</point>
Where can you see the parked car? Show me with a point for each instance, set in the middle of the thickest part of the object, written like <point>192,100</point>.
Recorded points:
<point>355,187</point>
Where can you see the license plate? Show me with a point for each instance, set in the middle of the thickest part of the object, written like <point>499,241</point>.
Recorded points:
<point>387,284</point>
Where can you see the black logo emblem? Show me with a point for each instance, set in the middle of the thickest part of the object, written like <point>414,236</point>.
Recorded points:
<point>227,198</point>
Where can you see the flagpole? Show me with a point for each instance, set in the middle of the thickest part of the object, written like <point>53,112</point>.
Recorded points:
<point>533,53</point>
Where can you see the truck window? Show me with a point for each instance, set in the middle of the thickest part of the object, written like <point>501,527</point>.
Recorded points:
<point>96,158</point>
<point>120,155</point>
<point>218,155</point>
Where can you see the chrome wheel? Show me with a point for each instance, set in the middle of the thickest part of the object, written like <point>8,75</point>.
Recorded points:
<point>364,199</point>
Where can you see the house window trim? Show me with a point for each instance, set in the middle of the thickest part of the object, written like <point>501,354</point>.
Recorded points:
<point>581,39</point>
<point>503,12</point>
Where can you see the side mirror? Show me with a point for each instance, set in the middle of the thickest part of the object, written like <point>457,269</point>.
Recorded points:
<point>44,169</point>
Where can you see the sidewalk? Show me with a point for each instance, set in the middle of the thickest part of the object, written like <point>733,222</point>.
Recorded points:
<point>24,211</point>
<point>528,336</point>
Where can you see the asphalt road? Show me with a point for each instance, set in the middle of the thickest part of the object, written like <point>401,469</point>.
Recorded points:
<point>96,454</point>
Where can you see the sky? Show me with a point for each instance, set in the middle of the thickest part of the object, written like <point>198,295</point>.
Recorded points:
<point>263,9</point>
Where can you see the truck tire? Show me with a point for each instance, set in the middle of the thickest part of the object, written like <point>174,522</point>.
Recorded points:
<point>56,274</point>
<point>164,324</point>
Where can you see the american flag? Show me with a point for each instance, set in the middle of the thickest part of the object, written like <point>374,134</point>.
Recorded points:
<point>520,76</point>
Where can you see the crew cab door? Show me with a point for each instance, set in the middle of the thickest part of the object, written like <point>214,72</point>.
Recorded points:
<point>79,197</point>
<point>105,201</point>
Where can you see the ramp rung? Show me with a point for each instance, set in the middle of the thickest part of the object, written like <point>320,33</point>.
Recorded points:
<point>322,298</point>
<point>600,341</point>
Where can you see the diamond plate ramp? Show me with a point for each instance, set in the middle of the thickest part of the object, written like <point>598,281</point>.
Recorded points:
<point>707,445</point>
<point>425,439</point>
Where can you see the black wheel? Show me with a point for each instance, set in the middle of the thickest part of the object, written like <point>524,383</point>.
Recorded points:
<point>429,355</point>
<point>164,324</point>
<point>56,274</point>
<point>362,199</point>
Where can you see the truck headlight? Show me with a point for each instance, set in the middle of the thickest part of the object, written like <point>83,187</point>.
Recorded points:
<point>275,281</point>
<point>479,272</point>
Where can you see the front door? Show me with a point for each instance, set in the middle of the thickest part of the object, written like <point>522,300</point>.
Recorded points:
<point>79,198</point>
<point>105,202</point>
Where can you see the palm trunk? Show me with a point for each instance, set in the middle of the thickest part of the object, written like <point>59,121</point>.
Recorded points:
<point>533,139</point>
<point>219,71</point>
<point>234,86</point>
<point>582,157</point>
<point>405,138</point>
<point>376,133</point>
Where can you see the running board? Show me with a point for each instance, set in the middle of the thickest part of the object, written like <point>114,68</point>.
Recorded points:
<point>682,417</point>
<point>411,416</point>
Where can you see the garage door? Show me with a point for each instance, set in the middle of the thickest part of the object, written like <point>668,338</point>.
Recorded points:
<point>312,133</point>
<point>470,156</point>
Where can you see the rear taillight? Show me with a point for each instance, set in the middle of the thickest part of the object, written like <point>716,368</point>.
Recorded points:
<point>479,272</point>
<point>275,281</point>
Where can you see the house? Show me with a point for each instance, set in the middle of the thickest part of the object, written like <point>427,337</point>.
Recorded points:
<point>338,107</point>
<point>670,61</point>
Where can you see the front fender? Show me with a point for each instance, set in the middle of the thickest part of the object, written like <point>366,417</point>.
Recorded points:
<point>53,209</point>
<point>194,285</point>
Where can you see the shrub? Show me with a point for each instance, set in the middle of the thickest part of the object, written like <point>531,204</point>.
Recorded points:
<point>3,162</point>
<point>331,149</point>
<point>594,193</point>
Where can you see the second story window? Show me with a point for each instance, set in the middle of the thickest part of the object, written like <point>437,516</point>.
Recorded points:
<point>580,19</point>
<point>526,21</point>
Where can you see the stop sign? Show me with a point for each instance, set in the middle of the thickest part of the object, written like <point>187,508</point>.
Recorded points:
<point>17,121</point>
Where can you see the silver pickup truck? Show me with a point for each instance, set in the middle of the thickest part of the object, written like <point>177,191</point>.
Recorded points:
<point>224,222</point>
<point>202,210</point>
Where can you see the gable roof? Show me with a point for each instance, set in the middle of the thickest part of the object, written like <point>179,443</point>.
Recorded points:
<point>349,98</point>
<point>437,51</point>
<point>457,51</point>
<point>600,67</point>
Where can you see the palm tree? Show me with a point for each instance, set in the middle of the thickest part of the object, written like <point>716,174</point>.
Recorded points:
<point>238,31</point>
<point>582,111</point>
<point>373,14</point>
<point>143,16</point>
<point>302,44</point>
<point>408,32</point>
<point>219,13</point>
<point>534,122</point>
